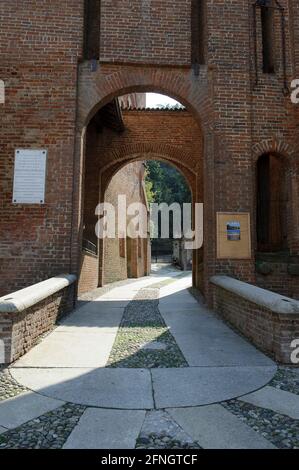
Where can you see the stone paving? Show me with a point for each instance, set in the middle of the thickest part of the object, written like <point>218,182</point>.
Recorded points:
<point>8,386</point>
<point>48,431</point>
<point>144,340</point>
<point>279,429</point>
<point>287,379</point>
<point>160,431</point>
<point>258,420</point>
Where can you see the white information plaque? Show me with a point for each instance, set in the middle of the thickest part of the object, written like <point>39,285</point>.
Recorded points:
<point>30,176</point>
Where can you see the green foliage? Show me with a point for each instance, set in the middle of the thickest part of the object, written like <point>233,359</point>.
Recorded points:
<point>149,189</point>
<point>165,183</point>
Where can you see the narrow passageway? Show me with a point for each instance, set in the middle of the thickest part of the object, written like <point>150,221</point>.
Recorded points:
<point>143,363</point>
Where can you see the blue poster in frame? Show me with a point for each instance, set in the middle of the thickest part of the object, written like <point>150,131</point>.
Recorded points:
<point>233,231</point>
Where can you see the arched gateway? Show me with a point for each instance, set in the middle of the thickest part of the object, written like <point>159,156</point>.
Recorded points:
<point>96,89</point>
<point>234,76</point>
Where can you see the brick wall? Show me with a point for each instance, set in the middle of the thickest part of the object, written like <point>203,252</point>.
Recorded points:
<point>40,43</point>
<point>269,331</point>
<point>127,181</point>
<point>146,31</point>
<point>21,331</point>
<point>279,281</point>
<point>89,273</point>
<point>246,113</point>
<point>279,274</point>
<point>174,135</point>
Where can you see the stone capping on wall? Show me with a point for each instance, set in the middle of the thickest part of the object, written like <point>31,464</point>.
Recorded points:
<point>25,298</point>
<point>276,303</point>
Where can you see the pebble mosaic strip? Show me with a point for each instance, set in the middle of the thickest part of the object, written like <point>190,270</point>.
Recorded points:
<point>9,388</point>
<point>160,431</point>
<point>49,431</point>
<point>143,339</point>
<point>287,379</point>
<point>279,429</point>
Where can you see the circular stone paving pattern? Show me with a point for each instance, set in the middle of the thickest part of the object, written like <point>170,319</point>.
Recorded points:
<point>158,349</point>
<point>144,388</point>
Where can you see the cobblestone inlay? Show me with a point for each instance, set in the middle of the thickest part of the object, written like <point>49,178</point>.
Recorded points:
<point>286,378</point>
<point>49,431</point>
<point>142,324</point>
<point>9,388</point>
<point>160,431</point>
<point>279,429</point>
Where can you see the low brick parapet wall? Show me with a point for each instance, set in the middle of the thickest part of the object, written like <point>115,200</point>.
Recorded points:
<point>269,320</point>
<point>31,312</point>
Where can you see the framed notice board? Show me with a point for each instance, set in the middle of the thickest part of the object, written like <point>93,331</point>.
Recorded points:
<point>233,235</point>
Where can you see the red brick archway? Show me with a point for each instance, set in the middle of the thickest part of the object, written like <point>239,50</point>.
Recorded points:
<point>277,146</point>
<point>97,89</point>
<point>121,158</point>
<point>170,154</point>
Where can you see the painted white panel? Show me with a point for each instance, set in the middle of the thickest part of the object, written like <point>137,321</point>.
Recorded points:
<point>30,176</point>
